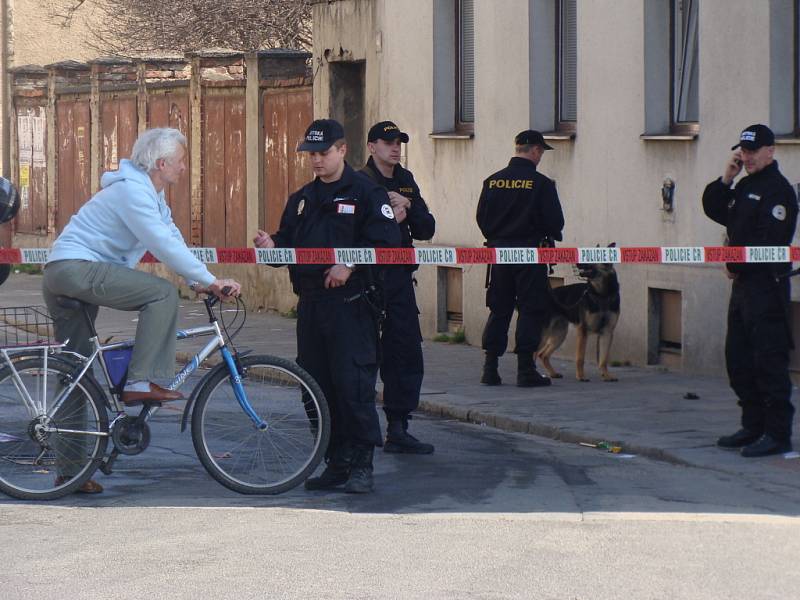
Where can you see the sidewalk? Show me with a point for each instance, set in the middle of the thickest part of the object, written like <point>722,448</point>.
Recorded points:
<point>645,411</point>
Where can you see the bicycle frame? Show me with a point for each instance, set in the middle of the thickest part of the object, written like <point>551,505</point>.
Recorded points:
<point>113,398</point>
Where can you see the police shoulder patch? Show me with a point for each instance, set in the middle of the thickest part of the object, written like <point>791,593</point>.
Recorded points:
<point>387,211</point>
<point>779,212</point>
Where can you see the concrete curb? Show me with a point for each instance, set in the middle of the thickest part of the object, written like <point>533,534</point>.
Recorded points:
<point>509,424</point>
<point>544,430</point>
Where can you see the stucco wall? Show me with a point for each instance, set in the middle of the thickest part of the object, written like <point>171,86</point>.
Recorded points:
<point>38,40</point>
<point>609,179</point>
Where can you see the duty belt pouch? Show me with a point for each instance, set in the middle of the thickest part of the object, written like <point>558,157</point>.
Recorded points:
<point>488,271</point>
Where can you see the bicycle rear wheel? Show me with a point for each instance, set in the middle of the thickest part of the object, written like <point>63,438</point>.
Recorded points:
<point>271,459</point>
<point>39,460</point>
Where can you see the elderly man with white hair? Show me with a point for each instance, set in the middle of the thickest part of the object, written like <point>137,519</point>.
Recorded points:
<point>94,260</point>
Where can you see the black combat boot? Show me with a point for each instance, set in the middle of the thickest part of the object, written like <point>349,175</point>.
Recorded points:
<point>399,441</point>
<point>766,445</point>
<point>490,375</point>
<point>743,437</point>
<point>527,375</point>
<point>336,472</point>
<point>360,481</point>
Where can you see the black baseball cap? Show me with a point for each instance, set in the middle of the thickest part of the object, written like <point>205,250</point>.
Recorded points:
<point>387,131</point>
<point>755,137</point>
<point>531,137</point>
<point>321,135</point>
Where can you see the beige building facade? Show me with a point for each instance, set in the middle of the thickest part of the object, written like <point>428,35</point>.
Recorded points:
<point>31,36</point>
<point>28,36</point>
<point>634,95</point>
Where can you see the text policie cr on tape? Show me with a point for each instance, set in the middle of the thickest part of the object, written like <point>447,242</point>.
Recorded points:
<point>431,255</point>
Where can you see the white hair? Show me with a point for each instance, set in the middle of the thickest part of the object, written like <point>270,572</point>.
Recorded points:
<point>155,144</point>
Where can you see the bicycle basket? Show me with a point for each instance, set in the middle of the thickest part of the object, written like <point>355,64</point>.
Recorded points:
<point>117,361</point>
<point>25,326</point>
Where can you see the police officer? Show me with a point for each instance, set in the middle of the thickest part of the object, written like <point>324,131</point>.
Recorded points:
<point>401,338</point>
<point>761,210</point>
<point>336,326</point>
<point>518,207</point>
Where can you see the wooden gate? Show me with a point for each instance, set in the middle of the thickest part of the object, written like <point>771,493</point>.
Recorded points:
<point>73,169</point>
<point>118,130</point>
<point>287,114</point>
<point>172,110</point>
<point>31,167</point>
<point>224,171</point>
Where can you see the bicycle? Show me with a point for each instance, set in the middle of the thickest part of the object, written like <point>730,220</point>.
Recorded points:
<point>260,424</point>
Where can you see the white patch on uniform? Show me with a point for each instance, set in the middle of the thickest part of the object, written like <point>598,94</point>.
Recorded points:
<point>346,209</point>
<point>301,206</point>
<point>732,203</point>
<point>755,197</point>
<point>387,211</point>
<point>779,212</point>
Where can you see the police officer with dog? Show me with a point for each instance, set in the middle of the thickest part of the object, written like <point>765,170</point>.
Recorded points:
<point>338,309</point>
<point>760,210</point>
<point>518,207</point>
<point>401,337</point>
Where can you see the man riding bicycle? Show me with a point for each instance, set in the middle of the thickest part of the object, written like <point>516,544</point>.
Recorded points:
<point>94,260</point>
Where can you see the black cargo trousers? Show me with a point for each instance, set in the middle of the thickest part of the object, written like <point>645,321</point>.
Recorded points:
<point>337,344</point>
<point>525,288</point>
<point>757,350</point>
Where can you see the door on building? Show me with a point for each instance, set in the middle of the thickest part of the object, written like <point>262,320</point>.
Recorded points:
<point>348,90</point>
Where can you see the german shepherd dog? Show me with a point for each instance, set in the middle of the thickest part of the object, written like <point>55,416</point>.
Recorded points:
<point>593,307</point>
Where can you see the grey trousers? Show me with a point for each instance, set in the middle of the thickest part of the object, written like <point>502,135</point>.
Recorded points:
<point>104,284</point>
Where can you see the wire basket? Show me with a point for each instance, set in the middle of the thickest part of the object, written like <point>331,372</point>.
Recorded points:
<point>25,326</point>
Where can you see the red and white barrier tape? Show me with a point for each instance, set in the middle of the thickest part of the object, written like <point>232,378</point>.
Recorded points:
<point>463,256</point>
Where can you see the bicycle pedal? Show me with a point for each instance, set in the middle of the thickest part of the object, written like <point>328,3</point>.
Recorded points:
<point>107,464</point>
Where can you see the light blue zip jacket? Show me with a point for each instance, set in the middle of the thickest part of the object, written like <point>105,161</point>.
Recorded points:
<point>123,220</point>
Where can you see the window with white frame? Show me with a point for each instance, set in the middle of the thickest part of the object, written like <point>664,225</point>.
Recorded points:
<point>553,63</point>
<point>567,64</point>
<point>671,69</point>
<point>784,64</point>
<point>466,62</point>
<point>684,50</point>
<point>454,67</point>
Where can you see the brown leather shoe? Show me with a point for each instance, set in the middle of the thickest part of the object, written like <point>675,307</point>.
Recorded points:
<point>89,487</point>
<point>156,394</point>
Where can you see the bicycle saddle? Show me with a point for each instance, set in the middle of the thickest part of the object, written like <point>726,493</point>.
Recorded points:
<point>71,303</point>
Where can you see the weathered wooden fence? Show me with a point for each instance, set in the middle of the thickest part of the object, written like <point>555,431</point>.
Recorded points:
<point>243,115</point>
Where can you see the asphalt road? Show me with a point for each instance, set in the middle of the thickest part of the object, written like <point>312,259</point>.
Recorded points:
<point>490,515</point>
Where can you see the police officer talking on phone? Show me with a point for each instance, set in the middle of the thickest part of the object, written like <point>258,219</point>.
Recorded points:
<point>760,210</point>
<point>337,333</point>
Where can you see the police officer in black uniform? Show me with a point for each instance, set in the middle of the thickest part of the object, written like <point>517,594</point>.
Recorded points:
<point>761,210</point>
<point>401,338</point>
<point>336,324</point>
<point>518,207</point>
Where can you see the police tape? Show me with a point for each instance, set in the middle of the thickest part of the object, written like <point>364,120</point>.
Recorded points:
<point>462,256</point>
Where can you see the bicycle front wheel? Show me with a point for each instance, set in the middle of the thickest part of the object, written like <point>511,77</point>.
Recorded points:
<point>284,450</point>
<point>44,453</point>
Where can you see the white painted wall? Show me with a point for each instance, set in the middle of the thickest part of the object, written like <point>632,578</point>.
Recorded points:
<point>609,179</point>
